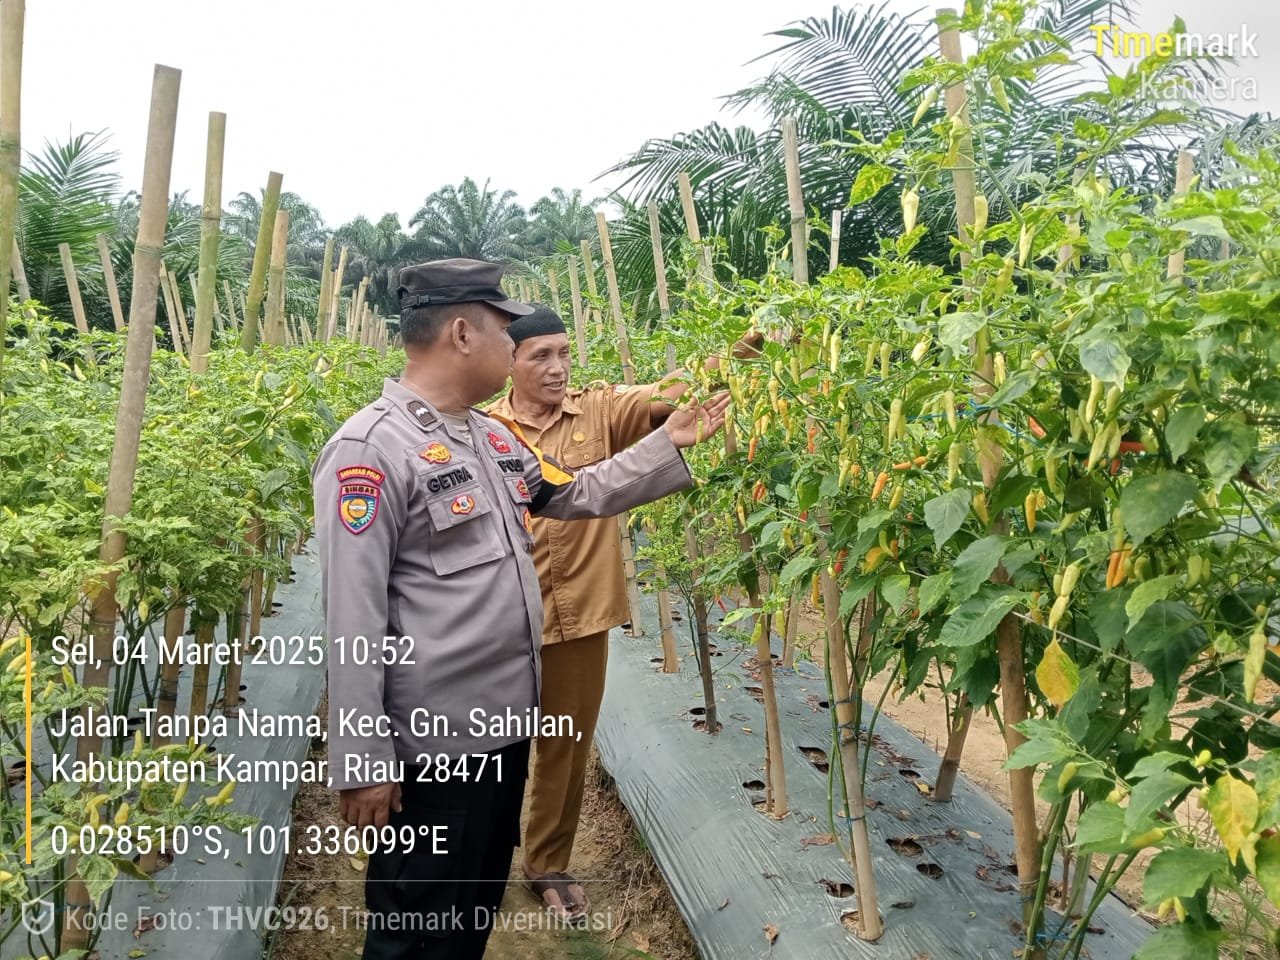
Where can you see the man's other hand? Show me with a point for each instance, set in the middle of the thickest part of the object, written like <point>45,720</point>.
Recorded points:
<point>694,422</point>
<point>369,806</point>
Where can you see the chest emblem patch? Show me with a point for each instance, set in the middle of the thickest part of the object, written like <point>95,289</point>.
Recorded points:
<point>463,504</point>
<point>436,452</point>
<point>498,443</point>
<point>359,491</point>
<point>522,488</point>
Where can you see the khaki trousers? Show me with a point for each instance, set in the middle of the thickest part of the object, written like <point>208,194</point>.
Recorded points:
<point>572,684</point>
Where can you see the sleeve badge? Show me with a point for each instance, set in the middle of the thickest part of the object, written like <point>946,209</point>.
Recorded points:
<point>359,490</point>
<point>498,443</point>
<point>527,518</point>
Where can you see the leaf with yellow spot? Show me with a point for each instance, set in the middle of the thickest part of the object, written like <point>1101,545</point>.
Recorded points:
<point>1057,675</point>
<point>1233,804</point>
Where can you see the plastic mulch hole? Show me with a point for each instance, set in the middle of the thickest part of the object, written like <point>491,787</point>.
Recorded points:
<point>816,756</point>
<point>930,870</point>
<point>905,846</point>
<point>753,784</point>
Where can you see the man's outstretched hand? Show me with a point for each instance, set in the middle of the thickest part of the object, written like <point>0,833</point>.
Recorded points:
<point>695,422</point>
<point>369,806</point>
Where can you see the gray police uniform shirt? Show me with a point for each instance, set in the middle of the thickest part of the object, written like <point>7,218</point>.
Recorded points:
<point>432,605</point>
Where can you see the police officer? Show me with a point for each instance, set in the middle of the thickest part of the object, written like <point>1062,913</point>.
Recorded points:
<point>434,612</point>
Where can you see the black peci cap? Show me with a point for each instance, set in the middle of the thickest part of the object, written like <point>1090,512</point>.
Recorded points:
<point>457,281</point>
<point>540,323</point>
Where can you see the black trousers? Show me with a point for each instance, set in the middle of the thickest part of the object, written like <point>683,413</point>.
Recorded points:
<point>441,906</point>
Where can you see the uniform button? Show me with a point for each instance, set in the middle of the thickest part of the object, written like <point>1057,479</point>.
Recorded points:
<point>379,406</point>
<point>579,436</point>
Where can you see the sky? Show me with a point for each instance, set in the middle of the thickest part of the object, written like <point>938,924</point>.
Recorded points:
<point>368,107</point>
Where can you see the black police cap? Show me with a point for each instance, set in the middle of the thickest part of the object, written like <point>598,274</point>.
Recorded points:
<point>457,281</point>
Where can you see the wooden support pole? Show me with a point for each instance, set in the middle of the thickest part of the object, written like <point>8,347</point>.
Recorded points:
<point>554,283</point>
<point>846,688</point>
<point>1182,183</point>
<point>670,655</point>
<point>274,324</point>
<point>1013,689</point>
<point>615,300</point>
<point>19,275</point>
<point>589,270</point>
<point>73,287</point>
<point>176,291</point>
<point>335,293</point>
<point>104,609</point>
<point>261,257</point>
<point>210,234</point>
<point>12,17</point>
<point>232,319</point>
<point>171,312</point>
<point>795,201</point>
<point>579,321</point>
<point>705,271</point>
<point>109,279</point>
<point>629,378</point>
<point>836,216</point>
<point>326,277</point>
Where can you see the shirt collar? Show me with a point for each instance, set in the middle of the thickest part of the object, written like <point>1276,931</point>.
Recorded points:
<point>504,406</point>
<point>418,409</point>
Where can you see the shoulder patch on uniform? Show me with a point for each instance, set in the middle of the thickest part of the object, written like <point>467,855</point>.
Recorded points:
<point>359,490</point>
<point>498,442</point>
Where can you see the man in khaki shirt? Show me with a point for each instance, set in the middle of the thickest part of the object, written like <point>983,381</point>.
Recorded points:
<point>579,565</point>
<point>433,609</point>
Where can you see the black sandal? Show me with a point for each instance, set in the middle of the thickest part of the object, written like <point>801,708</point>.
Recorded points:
<point>559,883</point>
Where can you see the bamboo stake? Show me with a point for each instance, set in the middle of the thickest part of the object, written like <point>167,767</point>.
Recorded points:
<point>210,234</point>
<point>615,300</point>
<point>274,322</point>
<point>109,277</point>
<point>162,279</point>
<point>12,15</point>
<point>335,293</point>
<point>19,275</point>
<point>175,622</point>
<point>670,656</point>
<point>836,216</point>
<point>231,306</point>
<point>589,269</point>
<point>629,378</point>
<point>1013,689</point>
<point>203,627</point>
<point>579,327</point>
<point>965,186</point>
<point>795,201</point>
<point>73,287</point>
<point>176,290</point>
<point>846,686</point>
<point>554,283</point>
<point>1182,182</point>
<point>124,451</point>
<point>304,327</point>
<point>261,255</point>
<point>322,301</point>
<point>791,629</point>
<point>775,768</point>
<point>705,271</point>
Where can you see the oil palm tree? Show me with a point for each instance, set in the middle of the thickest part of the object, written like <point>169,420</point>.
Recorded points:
<point>847,76</point>
<point>467,220</point>
<point>65,195</point>
<point>559,222</point>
